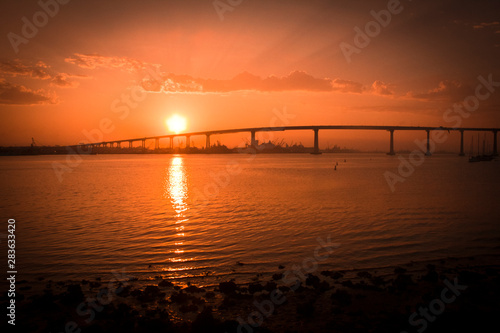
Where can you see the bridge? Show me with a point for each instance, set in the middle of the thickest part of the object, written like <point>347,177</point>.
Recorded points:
<point>315,129</point>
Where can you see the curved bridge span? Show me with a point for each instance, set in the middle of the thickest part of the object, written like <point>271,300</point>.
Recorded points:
<point>315,129</point>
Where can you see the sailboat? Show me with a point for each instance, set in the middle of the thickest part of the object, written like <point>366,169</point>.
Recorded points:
<point>478,157</point>
<point>473,158</point>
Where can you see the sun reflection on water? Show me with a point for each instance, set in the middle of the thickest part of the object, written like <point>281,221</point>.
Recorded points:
<point>177,188</point>
<point>177,192</point>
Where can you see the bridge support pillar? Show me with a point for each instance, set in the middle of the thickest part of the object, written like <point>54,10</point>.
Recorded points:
<point>316,142</point>
<point>461,143</point>
<point>188,141</point>
<point>391,144</point>
<point>171,142</point>
<point>495,151</point>
<point>119,144</point>
<point>130,144</point>
<point>428,152</point>
<point>157,143</point>
<point>143,144</point>
<point>253,143</point>
<point>207,143</point>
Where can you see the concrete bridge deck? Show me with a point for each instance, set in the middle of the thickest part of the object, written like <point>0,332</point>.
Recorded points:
<point>315,129</point>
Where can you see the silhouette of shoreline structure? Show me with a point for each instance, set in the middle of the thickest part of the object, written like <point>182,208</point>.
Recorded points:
<point>115,146</point>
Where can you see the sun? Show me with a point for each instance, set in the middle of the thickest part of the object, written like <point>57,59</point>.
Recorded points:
<point>176,124</point>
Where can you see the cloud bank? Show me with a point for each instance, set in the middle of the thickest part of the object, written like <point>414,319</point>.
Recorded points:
<point>447,90</point>
<point>19,94</point>
<point>13,94</point>
<point>156,81</point>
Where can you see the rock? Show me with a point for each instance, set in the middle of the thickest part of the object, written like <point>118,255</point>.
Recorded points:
<point>206,323</point>
<point>341,297</point>
<point>277,276</point>
<point>73,294</point>
<point>377,281</point>
<point>165,283</point>
<point>364,274</point>
<point>306,309</point>
<point>402,282</point>
<point>228,288</point>
<point>284,289</point>
<point>210,295</point>
<point>468,277</point>
<point>255,288</point>
<point>179,298</point>
<point>399,270</point>
<point>348,283</point>
<point>153,290</point>
<point>95,284</point>
<point>312,280</point>
<point>431,276</point>
<point>188,308</point>
<point>333,275</point>
<point>270,286</point>
<point>193,290</point>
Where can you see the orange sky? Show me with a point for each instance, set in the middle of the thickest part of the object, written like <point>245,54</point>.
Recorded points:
<point>222,66</point>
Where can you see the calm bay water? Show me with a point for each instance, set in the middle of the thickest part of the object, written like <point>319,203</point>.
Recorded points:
<point>195,215</point>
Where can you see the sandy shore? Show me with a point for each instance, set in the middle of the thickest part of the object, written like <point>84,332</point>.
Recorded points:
<point>451,295</point>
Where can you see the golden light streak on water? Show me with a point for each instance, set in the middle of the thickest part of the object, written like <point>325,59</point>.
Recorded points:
<point>176,191</point>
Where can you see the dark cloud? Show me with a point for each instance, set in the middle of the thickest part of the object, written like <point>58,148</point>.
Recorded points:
<point>347,86</point>
<point>17,68</point>
<point>157,82</point>
<point>483,25</point>
<point>381,88</point>
<point>295,81</point>
<point>64,80</point>
<point>93,61</point>
<point>12,94</point>
<point>38,70</point>
<point>448,90</point>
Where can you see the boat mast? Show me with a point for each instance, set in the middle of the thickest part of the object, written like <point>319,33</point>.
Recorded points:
<point>472,146</point>
<point>484,145</point>
<point>477,144</point>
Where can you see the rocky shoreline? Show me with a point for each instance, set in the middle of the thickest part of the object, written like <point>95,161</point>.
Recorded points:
<point>452,295</point>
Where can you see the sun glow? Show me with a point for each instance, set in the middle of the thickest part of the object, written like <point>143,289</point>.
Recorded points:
<point>176,124</point>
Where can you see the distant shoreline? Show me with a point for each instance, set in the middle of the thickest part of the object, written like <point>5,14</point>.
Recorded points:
<point>69,150</point>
